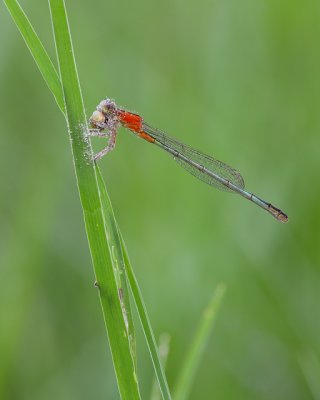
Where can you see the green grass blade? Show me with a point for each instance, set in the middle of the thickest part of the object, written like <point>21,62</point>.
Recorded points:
<point>37,50</point>
<point>142,312</point>
<point>146,326</point>
<point>51,77</point>
<point>91,210</point>
<point>164,348</point>
<point>191,364</point>
<point>91,204</point>
<point>118,259</point>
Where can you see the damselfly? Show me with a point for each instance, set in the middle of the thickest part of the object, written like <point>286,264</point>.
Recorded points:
<point>108,117</point>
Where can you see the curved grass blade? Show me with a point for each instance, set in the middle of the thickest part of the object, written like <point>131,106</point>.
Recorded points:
<point>146,326</point>
<point>142,312</point>
<point>164,348</point>
<point>191,363</point>
<point>92,209</point>
<point>51,77</point>
<point>117,254</point>
<point>37,50</point>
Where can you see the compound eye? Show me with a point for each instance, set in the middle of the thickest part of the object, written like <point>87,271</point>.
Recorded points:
<point>106,106</point>
<point>98,119</point>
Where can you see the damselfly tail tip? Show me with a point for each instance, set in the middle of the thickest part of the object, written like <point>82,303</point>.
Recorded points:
<point>278,214</point>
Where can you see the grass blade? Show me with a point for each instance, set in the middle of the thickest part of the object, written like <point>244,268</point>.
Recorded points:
<point>118,259</point>
<point>52,79</point>
<point>91,204</point>
<point>142,312</point>
<point>191,364</point>
<point>83,151</point>
<point>164,348</point>
<point>37,50</point>
<point>146,326</point>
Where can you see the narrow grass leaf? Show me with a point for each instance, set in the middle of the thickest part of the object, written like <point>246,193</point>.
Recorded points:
<point>146,326</point>
<point>163,348</point>
<point>142,312</point>
<point>37,50</point>
<point>118,260</point>
<point>91,204</point>
<point>192,361</point>
<point>52,79</point>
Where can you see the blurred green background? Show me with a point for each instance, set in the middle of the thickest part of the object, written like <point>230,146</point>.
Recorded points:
<point>237,79</point>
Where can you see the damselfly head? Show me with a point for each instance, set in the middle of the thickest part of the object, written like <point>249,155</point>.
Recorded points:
<point>98,120</point>
<point>107,107</point>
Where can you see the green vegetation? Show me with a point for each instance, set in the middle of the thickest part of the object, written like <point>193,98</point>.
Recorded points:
<point>236,79</point>
<point>108,252</point>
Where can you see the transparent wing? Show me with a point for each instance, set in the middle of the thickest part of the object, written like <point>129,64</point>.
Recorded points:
<point>218,167</point>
